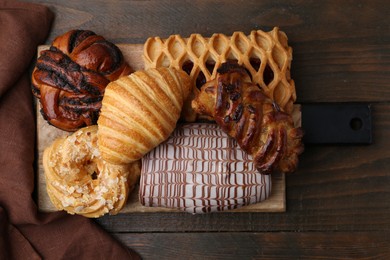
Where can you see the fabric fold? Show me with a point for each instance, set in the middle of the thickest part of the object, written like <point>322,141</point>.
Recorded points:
<point>26,233</point>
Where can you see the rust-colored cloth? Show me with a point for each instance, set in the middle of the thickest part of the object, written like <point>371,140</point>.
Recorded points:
<point>26,233</point>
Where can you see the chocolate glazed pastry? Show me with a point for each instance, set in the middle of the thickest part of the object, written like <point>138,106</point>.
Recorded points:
<point>245,113</point>
<point>70,78</point>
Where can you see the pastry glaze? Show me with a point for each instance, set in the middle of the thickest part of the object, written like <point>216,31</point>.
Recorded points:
<point>244,112</point>
<point>69,79</point>
<point>200,169</point>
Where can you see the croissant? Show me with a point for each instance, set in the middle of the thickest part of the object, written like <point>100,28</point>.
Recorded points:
<point>139,112</point>
<point>70,78</point>
<point>245,113</point>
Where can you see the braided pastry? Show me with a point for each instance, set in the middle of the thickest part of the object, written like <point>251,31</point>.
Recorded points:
<point>245,113</point>
<point>139,112</point>
<point>79,181</point>
<point>70,78</point>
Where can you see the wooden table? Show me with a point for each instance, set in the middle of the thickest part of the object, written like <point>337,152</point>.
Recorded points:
<point>338,202</point>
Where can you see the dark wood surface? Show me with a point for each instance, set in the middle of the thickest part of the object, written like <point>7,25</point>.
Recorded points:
<point>338,202</point>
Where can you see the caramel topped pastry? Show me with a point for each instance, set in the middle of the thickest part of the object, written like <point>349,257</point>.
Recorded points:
<point>245,113</point>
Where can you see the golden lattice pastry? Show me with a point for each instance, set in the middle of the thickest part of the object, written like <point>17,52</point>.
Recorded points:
<point>266,55</point>
<point>80,182</point>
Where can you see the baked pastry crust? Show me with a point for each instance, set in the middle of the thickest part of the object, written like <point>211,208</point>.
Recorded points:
<point>139,112</point>
<point>245,113</point>
<point>200,169</point>
<point>266,55</point>
<point>80,182</point>
<point>70,77</point>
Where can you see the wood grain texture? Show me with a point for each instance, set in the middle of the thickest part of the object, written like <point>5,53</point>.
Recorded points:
<point>342,188</point>
<point>333,245</point>
<point>341,48</point>
<point>338,202</point>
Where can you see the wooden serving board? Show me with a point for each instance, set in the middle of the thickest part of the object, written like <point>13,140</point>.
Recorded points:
<point>47,134</point>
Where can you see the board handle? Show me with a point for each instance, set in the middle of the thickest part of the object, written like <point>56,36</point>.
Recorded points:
<point>337,123</point>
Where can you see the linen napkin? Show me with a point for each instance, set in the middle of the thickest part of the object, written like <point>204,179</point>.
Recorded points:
<point>26,233</point>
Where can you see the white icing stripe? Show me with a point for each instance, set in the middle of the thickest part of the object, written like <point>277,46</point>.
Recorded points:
<point>200,169</point>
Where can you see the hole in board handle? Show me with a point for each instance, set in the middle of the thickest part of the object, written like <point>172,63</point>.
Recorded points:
<point>356,123</point>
